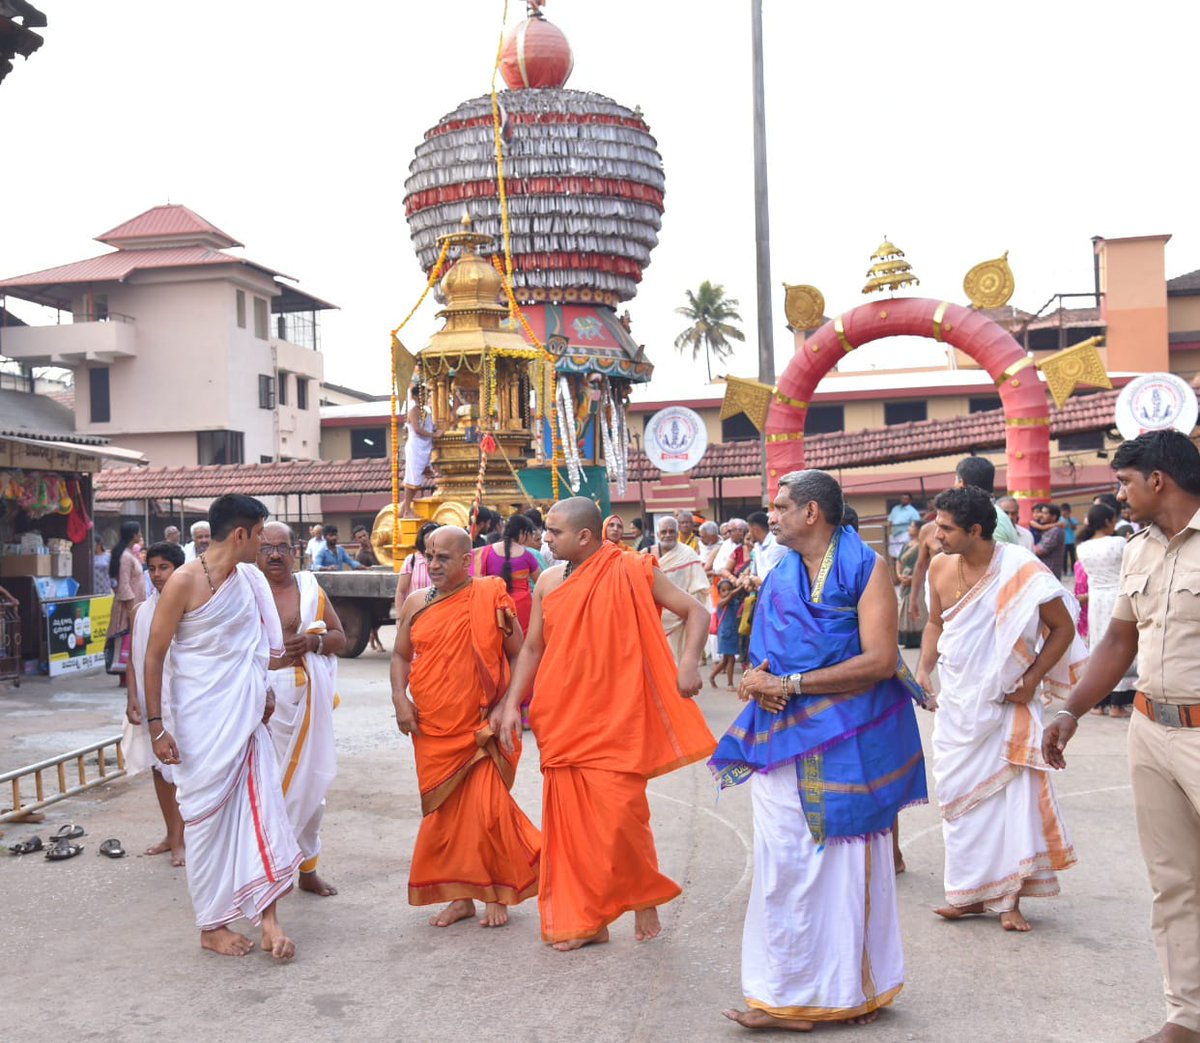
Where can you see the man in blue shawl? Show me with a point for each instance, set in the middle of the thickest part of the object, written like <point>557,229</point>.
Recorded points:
<point>829,741</point>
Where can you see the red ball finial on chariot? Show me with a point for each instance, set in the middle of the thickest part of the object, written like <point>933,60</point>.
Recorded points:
<point>536,53</point>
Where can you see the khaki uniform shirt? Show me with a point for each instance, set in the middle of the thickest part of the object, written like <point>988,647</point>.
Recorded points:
<point>1160,592</point>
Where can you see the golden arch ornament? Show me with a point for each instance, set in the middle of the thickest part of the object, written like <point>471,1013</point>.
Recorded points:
<point>1027,414</point>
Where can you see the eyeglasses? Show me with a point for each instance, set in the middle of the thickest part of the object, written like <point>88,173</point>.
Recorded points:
<point>275,548</point>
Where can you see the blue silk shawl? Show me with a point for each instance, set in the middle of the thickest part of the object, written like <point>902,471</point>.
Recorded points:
<point>858,757</point>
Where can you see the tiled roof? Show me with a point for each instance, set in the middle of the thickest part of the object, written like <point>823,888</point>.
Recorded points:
<point>1184,284</point>
<point>1067,318</point>
<point>117,266</point>
<point>160,222</point>
<point>308,477</point>
<point>33,416</point>
<point>922,440</point>
<point>882,445</point>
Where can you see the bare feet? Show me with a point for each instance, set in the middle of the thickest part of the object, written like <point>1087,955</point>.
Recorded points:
<point>226,942</point>
<point>1015,921</point>
<point>313,883</point>
<point>1172,1034</point>
<point>494,915</point>
<point>462,909</point>
<point>177,858</point>
<point>957,912</point>
<point>161,848</point>
<point>900,866</point>
<point>646,924</point>
<point>863,1019</point>
<point>599,938</point>
<point>274,940</point>
<point>760,1019</point>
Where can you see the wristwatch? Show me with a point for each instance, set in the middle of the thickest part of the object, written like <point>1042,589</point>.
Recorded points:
<point>792,684</point>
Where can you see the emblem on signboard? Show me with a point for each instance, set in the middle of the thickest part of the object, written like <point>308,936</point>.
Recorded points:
<point>675,439</point>
<point>1156,402</point>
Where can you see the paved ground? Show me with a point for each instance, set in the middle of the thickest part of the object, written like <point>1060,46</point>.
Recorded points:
<point>103,950</point>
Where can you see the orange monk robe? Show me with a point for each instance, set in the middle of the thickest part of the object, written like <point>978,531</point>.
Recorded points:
<point>607,716</point>
<point>474,841</point>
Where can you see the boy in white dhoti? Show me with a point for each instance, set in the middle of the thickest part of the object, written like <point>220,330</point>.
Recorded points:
<point>418,450</point>
<point>1001,625</point>
<point>213,633</point>
<point>304,680</point>
<point>162,559</point>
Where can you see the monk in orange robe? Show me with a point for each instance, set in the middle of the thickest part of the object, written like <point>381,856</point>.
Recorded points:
<point>455,644</point>
<point>610,711</point>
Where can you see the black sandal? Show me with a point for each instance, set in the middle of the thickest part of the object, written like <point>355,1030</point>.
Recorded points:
<point>26,847</point>
<point>68,831</point>
<point>63,850</point>
<point>112,848</point>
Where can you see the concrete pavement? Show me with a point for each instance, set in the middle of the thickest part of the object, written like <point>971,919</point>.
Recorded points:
<point>106,951</point>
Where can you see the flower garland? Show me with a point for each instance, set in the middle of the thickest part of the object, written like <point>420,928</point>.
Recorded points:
<point>566,425</point>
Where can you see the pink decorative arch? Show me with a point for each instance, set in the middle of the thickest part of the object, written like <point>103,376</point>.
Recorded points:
<point>1026,414</point>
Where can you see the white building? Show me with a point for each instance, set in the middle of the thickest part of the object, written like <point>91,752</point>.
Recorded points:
<point>180,349</point>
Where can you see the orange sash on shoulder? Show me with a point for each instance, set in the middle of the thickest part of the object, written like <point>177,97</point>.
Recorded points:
<point>605,695</point>
<point>459,671</point>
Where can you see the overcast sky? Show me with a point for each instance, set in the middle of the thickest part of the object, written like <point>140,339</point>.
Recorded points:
<point>959,130</point>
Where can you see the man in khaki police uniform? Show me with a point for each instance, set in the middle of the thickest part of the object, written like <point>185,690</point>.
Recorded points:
<point>1157,618</point>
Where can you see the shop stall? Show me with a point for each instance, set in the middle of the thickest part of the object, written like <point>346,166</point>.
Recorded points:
<point>48,552</point>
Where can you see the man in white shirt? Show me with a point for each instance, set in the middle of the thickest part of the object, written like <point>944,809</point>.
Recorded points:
<point>201,537</point>
<point>1010,507</point>
<point>315,545</point>
<point>768,552</point>
<point>737,529</point>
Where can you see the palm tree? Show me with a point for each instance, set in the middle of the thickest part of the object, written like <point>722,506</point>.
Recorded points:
<point>711,314</point>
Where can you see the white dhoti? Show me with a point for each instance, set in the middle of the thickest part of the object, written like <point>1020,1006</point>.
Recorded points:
<point>302,728</point>
<point>136,748</point>
<point>1005,837</point>
<point>241,854</point>
<point>822,934</point>
<point>418,450</point>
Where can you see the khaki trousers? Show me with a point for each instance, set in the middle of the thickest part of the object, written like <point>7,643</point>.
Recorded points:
<point>1164,767</point>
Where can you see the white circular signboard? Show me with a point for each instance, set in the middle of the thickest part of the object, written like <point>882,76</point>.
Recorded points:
<point>1156,402</point>
<point>675,439</point>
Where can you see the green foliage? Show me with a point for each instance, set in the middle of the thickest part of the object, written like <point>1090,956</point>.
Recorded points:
<point>712,316</point>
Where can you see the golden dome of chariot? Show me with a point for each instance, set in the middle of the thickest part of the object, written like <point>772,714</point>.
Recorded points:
<point>472,283</point>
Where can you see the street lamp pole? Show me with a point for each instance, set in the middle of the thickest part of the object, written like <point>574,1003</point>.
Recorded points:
<point>762,226</point>
<point>637,445</point>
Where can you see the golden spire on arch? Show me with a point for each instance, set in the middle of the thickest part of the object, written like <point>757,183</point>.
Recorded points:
<point>889,270</point>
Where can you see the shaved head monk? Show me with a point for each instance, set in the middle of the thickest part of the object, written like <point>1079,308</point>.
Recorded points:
<point>456,642</point>
<point>610,710</point>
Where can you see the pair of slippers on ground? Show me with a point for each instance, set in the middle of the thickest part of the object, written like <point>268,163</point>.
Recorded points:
<point>63,846</point>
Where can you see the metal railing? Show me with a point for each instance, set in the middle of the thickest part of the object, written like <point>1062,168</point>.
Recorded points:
<point>80,756</point>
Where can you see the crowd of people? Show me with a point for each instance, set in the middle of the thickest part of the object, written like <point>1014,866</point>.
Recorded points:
<point>561,626</point>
